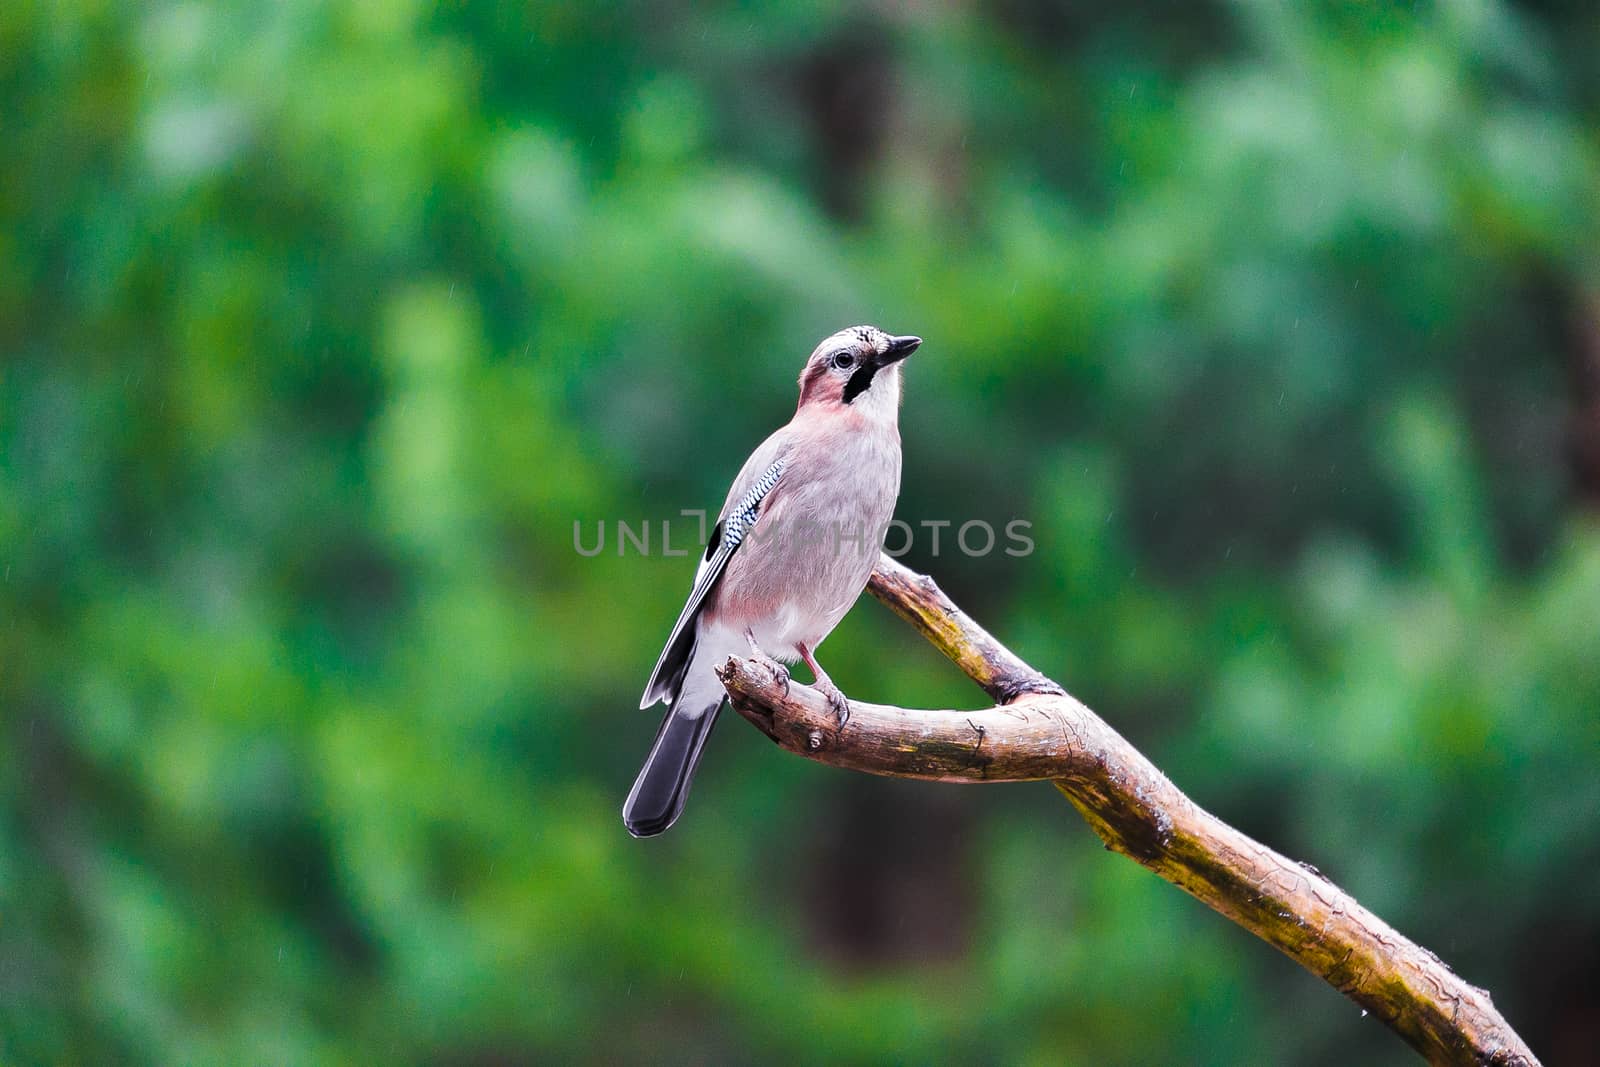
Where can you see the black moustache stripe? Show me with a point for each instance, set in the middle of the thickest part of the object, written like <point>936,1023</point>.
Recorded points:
<point>859,381</point>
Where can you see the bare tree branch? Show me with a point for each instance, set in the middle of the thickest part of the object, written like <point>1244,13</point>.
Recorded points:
<point>1037,731</point>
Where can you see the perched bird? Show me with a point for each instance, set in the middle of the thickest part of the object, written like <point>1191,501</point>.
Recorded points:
<point>793,547</point>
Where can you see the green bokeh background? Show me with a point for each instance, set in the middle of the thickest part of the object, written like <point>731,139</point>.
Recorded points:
<point>322,325</point>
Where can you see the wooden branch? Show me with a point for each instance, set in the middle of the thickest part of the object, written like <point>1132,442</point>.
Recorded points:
<point>1037,731</point>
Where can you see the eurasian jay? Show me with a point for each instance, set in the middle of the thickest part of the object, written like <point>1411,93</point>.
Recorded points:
<point>793,547</point>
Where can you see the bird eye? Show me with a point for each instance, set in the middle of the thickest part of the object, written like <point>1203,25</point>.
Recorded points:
<point>843,360</point>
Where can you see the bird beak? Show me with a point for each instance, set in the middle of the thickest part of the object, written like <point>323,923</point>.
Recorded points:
<point>898,348</point>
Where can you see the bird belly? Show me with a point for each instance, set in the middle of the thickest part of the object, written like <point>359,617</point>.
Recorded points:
<point>787,613</point>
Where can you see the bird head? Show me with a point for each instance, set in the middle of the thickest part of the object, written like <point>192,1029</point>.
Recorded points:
<point>856,368</point>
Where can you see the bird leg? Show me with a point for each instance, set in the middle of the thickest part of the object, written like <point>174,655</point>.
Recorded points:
<point>779,671</point>
<point>836,699</point>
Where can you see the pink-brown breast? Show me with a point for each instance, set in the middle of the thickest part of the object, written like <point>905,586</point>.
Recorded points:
<point>812,549</point>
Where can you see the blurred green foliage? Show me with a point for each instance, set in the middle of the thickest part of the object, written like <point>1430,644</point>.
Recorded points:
<point>323,324</point>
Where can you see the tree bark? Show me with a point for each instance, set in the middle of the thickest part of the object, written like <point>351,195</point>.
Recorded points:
<point>1037,731</point>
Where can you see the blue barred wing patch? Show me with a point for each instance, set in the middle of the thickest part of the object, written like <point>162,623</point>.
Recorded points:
<point>674,661</point>
<point>744,514</point>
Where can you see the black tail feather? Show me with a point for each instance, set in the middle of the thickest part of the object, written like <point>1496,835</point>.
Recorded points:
<point>658,794</point>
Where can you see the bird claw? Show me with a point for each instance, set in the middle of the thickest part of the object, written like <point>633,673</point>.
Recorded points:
<point>837,701</point>
<point>780,673</point>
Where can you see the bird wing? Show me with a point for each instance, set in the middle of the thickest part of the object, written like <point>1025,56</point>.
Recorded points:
<point>760,476</point>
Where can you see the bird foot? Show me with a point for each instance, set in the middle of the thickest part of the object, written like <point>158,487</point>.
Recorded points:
<point>780,673</point>
<point>836,700</point>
